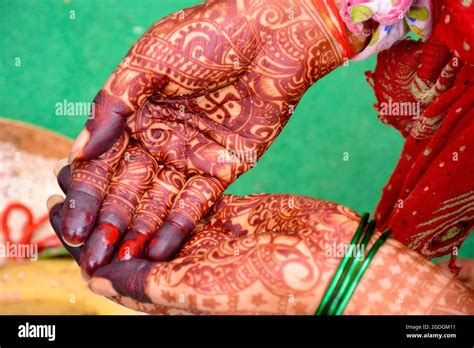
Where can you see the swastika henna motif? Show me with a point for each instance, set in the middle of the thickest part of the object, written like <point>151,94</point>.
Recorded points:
<point>206,91</point>
<point>202,95</point>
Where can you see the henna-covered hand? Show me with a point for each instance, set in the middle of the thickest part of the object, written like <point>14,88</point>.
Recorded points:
<point>199,97</point>
<point>275,254</point>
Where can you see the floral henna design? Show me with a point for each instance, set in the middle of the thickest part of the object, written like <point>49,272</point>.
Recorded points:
<point>206,91</point>
<point>275,254</point>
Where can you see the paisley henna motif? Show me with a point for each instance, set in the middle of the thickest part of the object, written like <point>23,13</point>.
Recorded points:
<point>249,269</point>
<point>206,91</point>
<point>202,95</point>
<point>237,263</point>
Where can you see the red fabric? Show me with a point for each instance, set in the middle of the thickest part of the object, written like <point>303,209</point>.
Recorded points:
<point>456,28</point>
<point>428,202</point>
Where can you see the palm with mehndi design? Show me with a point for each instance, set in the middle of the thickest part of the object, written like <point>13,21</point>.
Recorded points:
<point>200,96</point>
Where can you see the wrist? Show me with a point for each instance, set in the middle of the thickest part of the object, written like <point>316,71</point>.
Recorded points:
<point>328,12</point>
<point>400,281</point>
<point>349,43</point>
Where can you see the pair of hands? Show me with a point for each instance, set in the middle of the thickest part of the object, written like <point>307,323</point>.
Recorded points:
<point>259,254</point>
<point>274,254</point>
<point>193,105</point>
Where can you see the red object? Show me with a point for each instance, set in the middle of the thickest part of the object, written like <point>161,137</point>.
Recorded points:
<point>425,90</point>
<point>328,11</point>
<point>455,27</point>
<point>29,229</point>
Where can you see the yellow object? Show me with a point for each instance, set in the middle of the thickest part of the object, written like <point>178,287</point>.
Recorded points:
<point>50,287</point>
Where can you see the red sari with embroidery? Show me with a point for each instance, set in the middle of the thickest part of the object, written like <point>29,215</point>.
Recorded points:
<point>425,90</point>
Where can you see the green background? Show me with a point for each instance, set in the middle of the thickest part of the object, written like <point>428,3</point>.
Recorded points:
<point>69,59</point>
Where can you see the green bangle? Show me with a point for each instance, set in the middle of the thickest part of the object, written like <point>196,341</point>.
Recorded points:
<point>346,282</point>
<point>349,273</point>
<point>346,297</point>
<point>325,303</point>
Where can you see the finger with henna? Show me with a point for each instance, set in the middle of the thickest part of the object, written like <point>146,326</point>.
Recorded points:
<point>89,181</point>
<point>104,127</point>
<point>62,171</point>
<point>125,278</point>
<point>55,207</point>
<point>191,204</point>
<point>131,179</point>
<point>151,213</point>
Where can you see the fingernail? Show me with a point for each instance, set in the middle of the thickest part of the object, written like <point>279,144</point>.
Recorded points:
<point>98,250</point>
<point>103,287</point>
<point>79,144</point>
<point>79,216</point>
<point>132,246</point>
<point>53,200</point>
<point>73,243</point>
<point>127,250</point>
<point>55,217</point>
